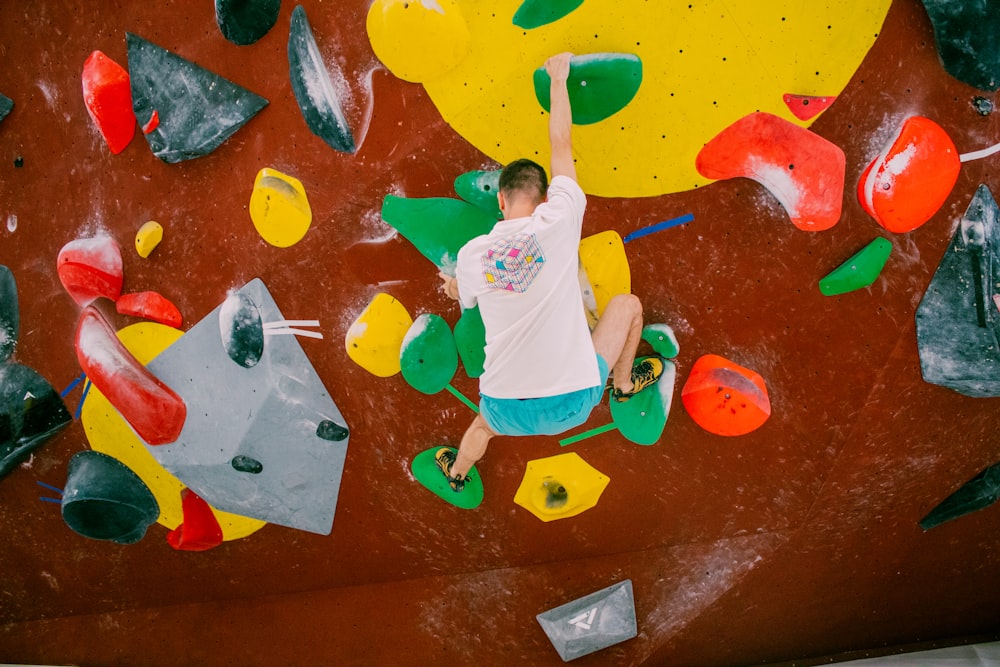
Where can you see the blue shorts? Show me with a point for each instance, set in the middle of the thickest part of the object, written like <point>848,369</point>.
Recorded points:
<point>550,415</point>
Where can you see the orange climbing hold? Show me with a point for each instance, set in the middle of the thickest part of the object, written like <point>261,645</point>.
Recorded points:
<point>151,306</point>
<point>200,530</point>
<point>804,171</point>
<point>725,398</point>
<point>806,107</point>
<point>907,183</point>
<point>108,97</point>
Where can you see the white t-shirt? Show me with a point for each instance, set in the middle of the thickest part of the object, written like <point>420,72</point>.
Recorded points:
<point>525,277</point>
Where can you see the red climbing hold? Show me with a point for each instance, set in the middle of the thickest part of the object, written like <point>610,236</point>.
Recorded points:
<point>151,306</point>
<point>804,171</point>
<point>907,183</point>
<point>200,530</point>
<point>725,398</point>
<point>91,268</point>
<point>108,97</point>
<point>806,107</point>
<point>150,407</point>
<point>152,123</point>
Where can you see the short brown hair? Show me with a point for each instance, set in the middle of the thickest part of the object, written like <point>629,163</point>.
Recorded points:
<point>524,176</point>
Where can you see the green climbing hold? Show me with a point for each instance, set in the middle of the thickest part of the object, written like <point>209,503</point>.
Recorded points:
<point>470,339</point>
<point>536,13</point>
<point>859,271</point>
<point>643,417</point>
<point>663,340</point>
<point>600,85</point>
<point>480,188</point>
<point>437,226</point>
<point>426,470</point>
<point>428,357</point>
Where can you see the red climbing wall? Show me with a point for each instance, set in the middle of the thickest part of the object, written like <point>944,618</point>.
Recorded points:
<point>798,540</point>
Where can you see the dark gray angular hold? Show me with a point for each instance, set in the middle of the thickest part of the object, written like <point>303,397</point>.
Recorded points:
<point>186,111</point>
<point>105,500</point>
<point>978,493</point>
<point>243,22</point>
<point>241,329</point>
<point>967,35</point>
<point>10,316</point>
<point>315,92</point>
<point>31,412</point>
<point>331,431</point>
<point>591,623</point>
<point>957,320</point>
<point>6,104</point>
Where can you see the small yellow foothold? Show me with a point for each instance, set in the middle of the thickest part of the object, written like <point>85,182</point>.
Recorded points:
<point>279,208</point>
<point>375,339</point>
<point>148,237</point>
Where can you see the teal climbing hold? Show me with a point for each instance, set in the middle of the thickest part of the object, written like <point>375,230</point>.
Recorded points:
<point>642,418</point>
<point>480,188</point>
<point>661,337</point>
<point>600,85</point>
<point>470,339</point>
<point>426,470</point>
<point>428,357</point>
<point>536,13</point>
<point>437,226</point>
<point>861,270</point>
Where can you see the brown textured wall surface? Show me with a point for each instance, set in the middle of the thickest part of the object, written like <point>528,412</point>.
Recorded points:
<point>796,541</point>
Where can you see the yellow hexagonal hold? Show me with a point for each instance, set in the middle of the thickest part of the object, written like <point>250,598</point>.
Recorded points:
<point>418,40</point>
<point>559,487</point>
<point>375,339</point>
<point>148,237</point>
<point>279,208</point>
<point>603,258</point>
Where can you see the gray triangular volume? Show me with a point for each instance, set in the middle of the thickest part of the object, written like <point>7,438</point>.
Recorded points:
<point>591,623</point>
<point>185,110</point>
<point>957,319</point>
<point>314,91</point>
<point>6,104</point>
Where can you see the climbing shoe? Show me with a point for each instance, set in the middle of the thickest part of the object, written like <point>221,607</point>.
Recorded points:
<point>445,459</point>
<point>645,374</point>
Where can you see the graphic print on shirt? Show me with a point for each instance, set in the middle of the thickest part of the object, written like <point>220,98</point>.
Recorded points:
<point>513,263</point>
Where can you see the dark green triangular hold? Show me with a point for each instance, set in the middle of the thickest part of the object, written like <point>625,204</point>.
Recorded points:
<point>437,226</point>
<point>662,339</point>
<point>317,96</point>
<point>861,270</point>
<point>243,22</point>
<point>965,34</point>
<point>642,418</point>
<point>600,85</point>
<point>186,111</point>
<point>426,470</point>
<point>6,104</point>
<point>31,412</point>
<point>470,339</point>
<point>978,493</point>
<point>10,315</point>
<point>480,188</point>
<point>536,13</point>
<point>428,357</point>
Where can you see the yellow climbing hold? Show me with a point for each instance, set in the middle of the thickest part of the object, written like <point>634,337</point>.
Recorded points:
<point>418,40</point>
<point>110,434</point>
<point>148,237</point>
<point>375,339</point>
<point>560,486</point>
<point>603,258</point>
<point>279,208</point>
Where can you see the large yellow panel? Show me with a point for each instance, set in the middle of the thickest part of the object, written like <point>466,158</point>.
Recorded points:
<point>375,339</point>
<point>604,260</point>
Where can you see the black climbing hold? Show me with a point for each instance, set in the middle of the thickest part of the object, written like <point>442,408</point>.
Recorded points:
<point>6,104</point>
<point>105,500</point>
<point>978,493</point>
<point>19,162</point>
<point>247,464</point>
<point>332,431</point>
<point>965,35</point>
<point>10,318</point>
<point>241,329</point>
<point>243,22</point>
<point>982,105</point>
<point>31,412</point>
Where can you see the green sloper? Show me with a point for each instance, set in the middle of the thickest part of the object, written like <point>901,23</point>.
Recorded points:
<point>642,418</point>
<point>426,471</point>
<point>600,85</point>
<point>428,357</point>
<point>861,270</point>
<point>536,13</point>
<point>480,188</point>
<point>470,339</point>
<point>437,226</point>
<point>661,337</point>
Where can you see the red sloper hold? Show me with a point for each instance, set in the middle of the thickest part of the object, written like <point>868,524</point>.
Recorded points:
<point>200,530</point>
<point>108,97</point>
<point>91,268</point>
<point>804,171</point>
<point>151,306</point>
<point>725,398</point>
<point>150,407</point>
<point>906,184</point>
<point>807,106</point>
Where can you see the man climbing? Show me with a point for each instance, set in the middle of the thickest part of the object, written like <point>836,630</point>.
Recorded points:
<point>545,371</point>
